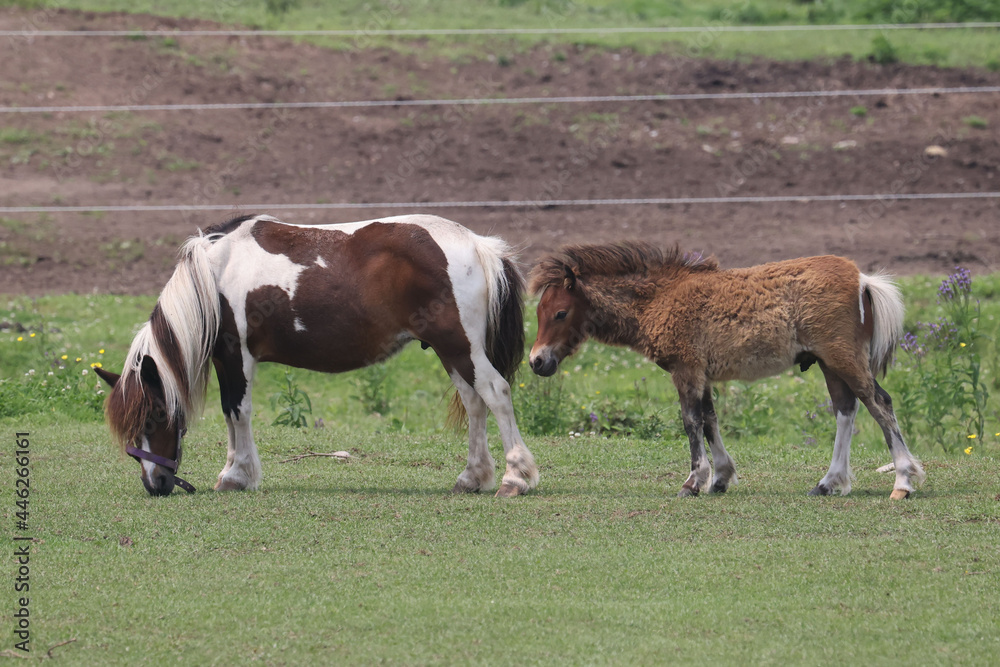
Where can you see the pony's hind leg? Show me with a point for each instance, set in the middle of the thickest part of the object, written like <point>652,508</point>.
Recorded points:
<point>845,405</point>
<point>725,468</point>
<point>908,468</point>
<point>479,473</point>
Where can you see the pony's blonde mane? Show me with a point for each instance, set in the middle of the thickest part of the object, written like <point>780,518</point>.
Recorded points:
<point>179,338</point>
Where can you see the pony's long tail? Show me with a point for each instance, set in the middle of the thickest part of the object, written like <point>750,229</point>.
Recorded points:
<point>887,313</point>
<point>505,324</point>
<point>182,330</point>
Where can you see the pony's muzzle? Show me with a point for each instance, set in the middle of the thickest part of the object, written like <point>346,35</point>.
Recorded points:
<point>160,483</point>
<point>544,364</point>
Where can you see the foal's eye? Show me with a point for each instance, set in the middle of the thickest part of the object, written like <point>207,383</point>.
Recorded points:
<point>561,315</point>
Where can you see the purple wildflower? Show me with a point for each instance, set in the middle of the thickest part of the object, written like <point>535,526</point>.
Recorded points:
<point>957,284</point>
<point>943,332</point>
<point>911,344</point>
<point>593,417</point>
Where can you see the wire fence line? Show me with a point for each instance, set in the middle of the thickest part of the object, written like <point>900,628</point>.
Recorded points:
<point>571,99</point>
<point>502,203</point>
<point>418,32</point>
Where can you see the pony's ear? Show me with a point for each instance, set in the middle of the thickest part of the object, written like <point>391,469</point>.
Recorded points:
<point>107,376</point>
<point>150,376</point>
<point>569,280</point>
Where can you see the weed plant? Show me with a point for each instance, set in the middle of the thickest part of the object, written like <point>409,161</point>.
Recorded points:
<point>292,405</point>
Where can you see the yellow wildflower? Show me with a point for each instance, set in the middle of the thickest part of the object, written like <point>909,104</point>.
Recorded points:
<point>961,344</point>
<point>64,357</point>
<point>32,336</point>
<point>968,450</point>
<point>79,359</point>
<point>96,364</point>
<point>521,385</point>
<point>100,352</point>
<point>20,338</point>
<point>971,436</point>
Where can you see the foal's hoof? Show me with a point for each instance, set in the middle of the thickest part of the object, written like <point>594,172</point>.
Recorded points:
<point>227,485</point>
<point>459,488</point>
<point>719,487</point>
<point>899,494</point>
<point>509,490</point>
<point>821,490</point>
<point>687,492</point>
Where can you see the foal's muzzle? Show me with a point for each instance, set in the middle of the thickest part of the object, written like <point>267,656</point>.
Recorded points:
<point>545,364</point>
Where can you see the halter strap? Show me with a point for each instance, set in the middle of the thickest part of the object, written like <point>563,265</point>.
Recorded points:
<point>137,454</point>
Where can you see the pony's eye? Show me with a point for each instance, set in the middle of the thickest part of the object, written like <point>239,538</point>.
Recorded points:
<point>561,315</point>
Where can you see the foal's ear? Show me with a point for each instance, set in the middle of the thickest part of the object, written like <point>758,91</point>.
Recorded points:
<point>107,376</point>
<point>150,376</point>
<point>569,280</point>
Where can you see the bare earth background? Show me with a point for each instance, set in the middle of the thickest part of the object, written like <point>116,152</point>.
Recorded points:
<point>502,152</point>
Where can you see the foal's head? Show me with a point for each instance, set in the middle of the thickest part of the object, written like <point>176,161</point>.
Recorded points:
<point>140,420</point>
<point>564,321</point>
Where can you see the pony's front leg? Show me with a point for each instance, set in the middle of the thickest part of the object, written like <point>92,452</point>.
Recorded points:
<point>692,414</point>
<point>242,469</point>
<point>480,471</point>
<point>725,468</point>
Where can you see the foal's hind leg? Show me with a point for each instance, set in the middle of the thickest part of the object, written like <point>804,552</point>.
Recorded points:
<point>908,468</point>
<point>845,405</point>
<point>479,473</point>
<point>725,468</point>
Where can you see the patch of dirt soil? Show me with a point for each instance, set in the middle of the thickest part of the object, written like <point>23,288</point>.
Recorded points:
<point>836,146</point>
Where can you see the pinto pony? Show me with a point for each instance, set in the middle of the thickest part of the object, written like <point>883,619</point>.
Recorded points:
<point>703,324</point>
<point>329,298</point>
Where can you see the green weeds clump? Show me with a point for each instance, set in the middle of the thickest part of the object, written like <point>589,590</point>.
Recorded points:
<point>292,405</point>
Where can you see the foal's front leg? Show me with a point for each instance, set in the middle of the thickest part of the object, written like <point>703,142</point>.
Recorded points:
<point>725,468</point>
<point>692,414</point>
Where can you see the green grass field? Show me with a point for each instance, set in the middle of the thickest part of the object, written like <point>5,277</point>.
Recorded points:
<point>963,47</point>
<point>372,560</point>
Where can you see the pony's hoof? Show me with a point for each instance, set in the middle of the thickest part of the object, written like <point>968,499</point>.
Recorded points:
<point>460,488</point>
<point>719,487</point>
<point>687,492</point>
<point>899,494</point>
<point>821,490</point>
<point>227,485</point>
<point>509,490</point>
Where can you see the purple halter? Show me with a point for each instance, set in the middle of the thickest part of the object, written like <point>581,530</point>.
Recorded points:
<point>137,454</point>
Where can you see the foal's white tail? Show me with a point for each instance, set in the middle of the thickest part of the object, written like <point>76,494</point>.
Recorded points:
<point>887,313</point>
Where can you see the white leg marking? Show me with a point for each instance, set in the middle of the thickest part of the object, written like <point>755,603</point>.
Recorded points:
<point>839,475</point>
<point>725,468</point>
<point>242,470</point>
<point>480,471</point>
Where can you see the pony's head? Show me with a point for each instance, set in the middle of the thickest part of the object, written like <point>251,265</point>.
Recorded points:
<point>565,318</point>
<point>144,425</point>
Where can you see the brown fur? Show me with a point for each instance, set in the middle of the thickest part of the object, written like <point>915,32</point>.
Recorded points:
<point>703,324</point>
